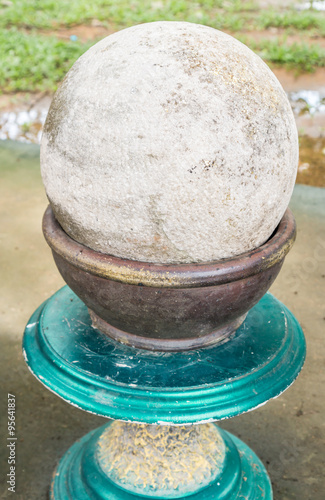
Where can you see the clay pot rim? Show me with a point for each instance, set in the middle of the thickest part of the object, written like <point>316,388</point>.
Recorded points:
<point>171,275</point>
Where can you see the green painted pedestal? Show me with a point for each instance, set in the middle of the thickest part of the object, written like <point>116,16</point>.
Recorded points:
<point>100,375</point>
<point>79,475</point>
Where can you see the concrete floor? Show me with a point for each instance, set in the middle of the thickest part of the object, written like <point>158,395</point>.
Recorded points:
<point>287,433</point>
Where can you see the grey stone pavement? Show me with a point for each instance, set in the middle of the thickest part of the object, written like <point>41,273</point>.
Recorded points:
<point>287,433</point>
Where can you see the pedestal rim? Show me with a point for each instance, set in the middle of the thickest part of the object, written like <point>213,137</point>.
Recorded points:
<point>205,403</point>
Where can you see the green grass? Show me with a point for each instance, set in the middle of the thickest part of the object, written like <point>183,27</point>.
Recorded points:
<point>32,61</point>
<point>301,21</point>
<point>298,56</point>
<point>51,13</point>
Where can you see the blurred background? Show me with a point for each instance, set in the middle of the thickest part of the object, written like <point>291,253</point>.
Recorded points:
<point>39,42</point>
<point>41,39</point>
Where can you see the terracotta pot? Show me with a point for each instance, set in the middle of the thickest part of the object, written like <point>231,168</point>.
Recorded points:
<point>168,307</point>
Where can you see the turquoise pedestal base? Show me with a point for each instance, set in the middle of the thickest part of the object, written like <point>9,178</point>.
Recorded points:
<point>79,475</point>
<point>98,374</point>
<point>95,373</point>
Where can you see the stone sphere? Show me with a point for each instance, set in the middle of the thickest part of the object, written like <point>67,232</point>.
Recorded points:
<point>170,142</point>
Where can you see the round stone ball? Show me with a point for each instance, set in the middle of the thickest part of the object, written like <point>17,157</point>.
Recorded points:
<point>169,142</point>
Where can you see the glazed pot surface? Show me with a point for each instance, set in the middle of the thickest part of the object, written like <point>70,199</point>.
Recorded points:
<point>173,307</point>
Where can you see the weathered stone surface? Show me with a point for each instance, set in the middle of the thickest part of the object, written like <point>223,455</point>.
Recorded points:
<point>161,460</point>
<point>170,142</point>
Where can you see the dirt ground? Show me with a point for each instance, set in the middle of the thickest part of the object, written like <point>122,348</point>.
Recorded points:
<point>287,433</point>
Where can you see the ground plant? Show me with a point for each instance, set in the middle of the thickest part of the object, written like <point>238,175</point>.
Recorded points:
<point>38,44</point>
